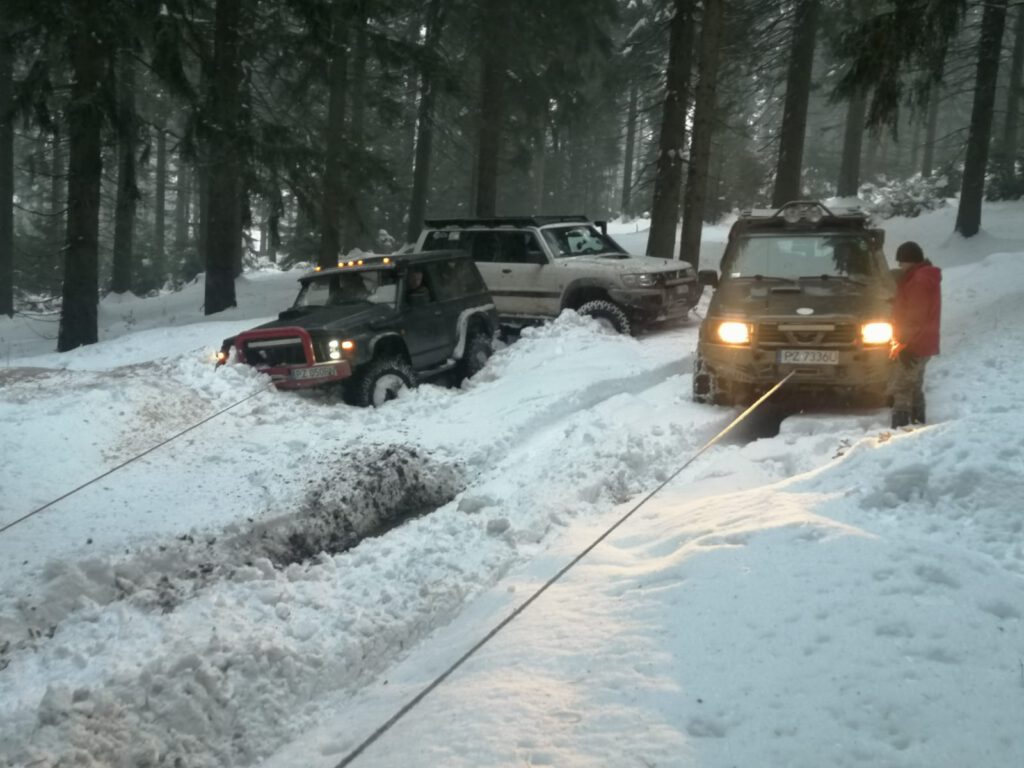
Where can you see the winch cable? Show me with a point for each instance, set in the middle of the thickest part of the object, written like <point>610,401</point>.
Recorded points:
<point>412,703</point>
<point>123,464</point>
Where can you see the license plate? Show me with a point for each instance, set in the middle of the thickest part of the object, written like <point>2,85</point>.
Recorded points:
<point>319,372</point>
<point>809,357</point>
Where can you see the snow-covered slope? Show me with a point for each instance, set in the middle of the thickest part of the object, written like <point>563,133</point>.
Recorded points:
<point>835,595</point>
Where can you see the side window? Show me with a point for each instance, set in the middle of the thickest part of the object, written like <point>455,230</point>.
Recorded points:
<point>519,248</point>
<point>442,240</point>
<point>419,287</point>
<point>455,279</point>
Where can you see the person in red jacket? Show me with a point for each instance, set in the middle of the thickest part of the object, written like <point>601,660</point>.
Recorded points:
<point>916,312</point>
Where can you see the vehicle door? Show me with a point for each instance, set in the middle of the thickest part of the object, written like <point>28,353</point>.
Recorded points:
<point>429,333</point>
<point>519,275</point>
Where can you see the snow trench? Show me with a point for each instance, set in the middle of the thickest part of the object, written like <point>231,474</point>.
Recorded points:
<point>352,496</point>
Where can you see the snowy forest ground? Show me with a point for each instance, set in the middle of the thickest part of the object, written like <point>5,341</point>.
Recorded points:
<point>834,595</point>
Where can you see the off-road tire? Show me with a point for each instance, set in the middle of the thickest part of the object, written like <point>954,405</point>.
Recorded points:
<point>476,354</point>
<point>382,380</point>
<point>609,312</point>
<point>711,389</point>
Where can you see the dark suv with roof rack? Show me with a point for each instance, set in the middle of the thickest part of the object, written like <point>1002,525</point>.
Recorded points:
<point>802,289</point>
<point>376,325</point>
<point>537,266</point>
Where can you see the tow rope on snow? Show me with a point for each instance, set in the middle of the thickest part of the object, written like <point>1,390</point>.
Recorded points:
<point>123,464</point>
<point>362,747</point>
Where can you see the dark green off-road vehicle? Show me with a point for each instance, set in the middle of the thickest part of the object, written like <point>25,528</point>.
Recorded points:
<point>376,325</point>
<point>801,289</point>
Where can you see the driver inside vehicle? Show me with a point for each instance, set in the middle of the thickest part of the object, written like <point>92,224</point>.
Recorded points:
<point>349,288</point>
<point>416,291</point>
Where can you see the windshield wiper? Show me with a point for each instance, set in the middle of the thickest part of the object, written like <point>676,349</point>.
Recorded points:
<point>827,277</point>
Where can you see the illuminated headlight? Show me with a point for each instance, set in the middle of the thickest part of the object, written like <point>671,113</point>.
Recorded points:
<point>221,357</point>
<point>876,333</point>
<point>337,349</point>
<point>640,280</point>
<point>732,332</point>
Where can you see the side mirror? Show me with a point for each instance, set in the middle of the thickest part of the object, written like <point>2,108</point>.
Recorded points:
<point>708,277</point>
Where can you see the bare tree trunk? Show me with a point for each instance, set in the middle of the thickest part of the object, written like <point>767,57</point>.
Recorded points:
<point>434,23</point>
<point>159,205</point>
<point>627,164</point>
<point>127,183</point>
<point>853,139</point>
<point>794,116</point>
<point>1009,149</point>
<point>6,172</point>
<point>972,190</point>
<point>703,128</point>
<point>668,179</point>
<point>182,207</point>
<point>333,189</point>
<point>78,316</point>
<point>224,206</point>
<point>931,126</point>
<point>492,105</point>
<point>538,160</point>
<point>356,227</point>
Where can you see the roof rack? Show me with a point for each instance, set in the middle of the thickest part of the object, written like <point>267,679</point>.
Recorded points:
<point>506,221</point>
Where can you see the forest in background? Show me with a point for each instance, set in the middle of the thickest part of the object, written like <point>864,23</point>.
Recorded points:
<point>144,143</point>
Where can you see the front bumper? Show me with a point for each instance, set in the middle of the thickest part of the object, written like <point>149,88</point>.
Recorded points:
<point>287,355</point>
<point>663,303</point>
<point>858,368</point>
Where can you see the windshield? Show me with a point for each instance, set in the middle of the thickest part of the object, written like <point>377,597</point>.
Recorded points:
<point>845,255</point>
<point>339,289</point>
<point>579,240</point>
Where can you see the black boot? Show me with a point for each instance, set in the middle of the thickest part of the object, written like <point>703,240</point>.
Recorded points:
<point>917,412</point>
<point>900,419</point>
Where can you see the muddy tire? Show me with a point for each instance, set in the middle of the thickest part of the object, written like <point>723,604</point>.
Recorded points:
<point>607,313</point>
<point>711,389</point>
<point>383,380</point>
<point>476,354</point>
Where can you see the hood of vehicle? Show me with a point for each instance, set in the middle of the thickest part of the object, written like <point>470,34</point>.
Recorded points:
<point>625,264</point>
<point>806,300</point>
<point>347,319</point>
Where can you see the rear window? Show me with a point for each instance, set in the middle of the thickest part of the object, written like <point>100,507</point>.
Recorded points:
<point>796,256</point>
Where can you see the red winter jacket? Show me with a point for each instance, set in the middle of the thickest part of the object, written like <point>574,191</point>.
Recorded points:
<point>917,309</point>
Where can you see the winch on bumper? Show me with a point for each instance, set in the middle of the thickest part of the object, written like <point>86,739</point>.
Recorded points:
<point>289,356</point>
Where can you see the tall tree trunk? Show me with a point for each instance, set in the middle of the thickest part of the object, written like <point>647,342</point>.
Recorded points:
<point>159,205</point>
<point>972,190</point>
<point>627,163</point>
<point>703,127</point>
<point>182,208</point>
<point>853,139</point>
<point>668,178</point>
<point>6,172</point>
<point>931,126</point>
<point>78,316</point>
<point>538,160</point>
<point>1013,94</point>
<point>224,205</point>
<point>357,226</point>
<point>492,105</point>
<point>798,92</point>
<point>425,120</point>
<point>334,140</point>
<point>127,184</point>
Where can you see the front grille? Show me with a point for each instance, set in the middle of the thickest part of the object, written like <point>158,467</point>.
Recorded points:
<point>806,334</point>
<point>673,277</point>
<point>275,352</point>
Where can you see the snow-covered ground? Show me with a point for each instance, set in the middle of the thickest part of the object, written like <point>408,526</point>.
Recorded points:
<point>835,595</point>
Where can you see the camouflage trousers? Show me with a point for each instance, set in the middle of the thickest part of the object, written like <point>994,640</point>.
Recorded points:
<point>906,385</point>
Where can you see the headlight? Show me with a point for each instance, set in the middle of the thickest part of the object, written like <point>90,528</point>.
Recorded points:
<point>336,349</point>
<point>640,280</point>
<point>876,333</point>
<point>732,332</point>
